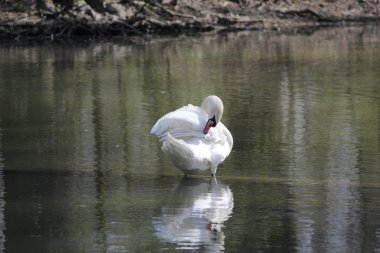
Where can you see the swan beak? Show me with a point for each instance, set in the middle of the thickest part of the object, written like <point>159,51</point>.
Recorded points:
<point>210,123</point>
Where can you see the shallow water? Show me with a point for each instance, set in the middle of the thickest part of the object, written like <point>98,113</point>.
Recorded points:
<point>81,173</point>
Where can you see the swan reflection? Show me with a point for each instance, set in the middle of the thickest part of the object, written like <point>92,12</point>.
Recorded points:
<point>195,215</point>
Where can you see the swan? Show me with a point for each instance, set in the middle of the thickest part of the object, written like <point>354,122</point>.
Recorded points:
<point>194,137</point>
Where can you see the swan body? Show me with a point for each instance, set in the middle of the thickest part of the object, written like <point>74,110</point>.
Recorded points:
<point>194,138</point>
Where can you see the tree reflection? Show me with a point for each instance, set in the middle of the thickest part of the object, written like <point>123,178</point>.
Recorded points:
<point>337,224</point>
<point>195,216</point>
<point>2,201</point>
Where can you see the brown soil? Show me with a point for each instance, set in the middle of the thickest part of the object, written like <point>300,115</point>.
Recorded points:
<point>19,19</point>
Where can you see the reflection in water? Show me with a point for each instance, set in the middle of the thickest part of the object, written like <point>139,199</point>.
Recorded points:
<point>2,202</point>
<point>343,184</point>
<point>195,215</point>
<point>298,166</point>
<point>340,214</point>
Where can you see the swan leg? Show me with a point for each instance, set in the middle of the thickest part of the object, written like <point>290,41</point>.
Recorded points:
<point>213,171</point>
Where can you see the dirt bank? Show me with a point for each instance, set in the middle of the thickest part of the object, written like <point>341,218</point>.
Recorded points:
<point>21,19</point>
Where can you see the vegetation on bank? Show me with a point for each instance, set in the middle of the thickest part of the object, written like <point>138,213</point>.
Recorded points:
<point>52,19</point>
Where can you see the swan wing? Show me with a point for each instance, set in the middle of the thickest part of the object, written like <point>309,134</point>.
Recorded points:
<point>187,121</point>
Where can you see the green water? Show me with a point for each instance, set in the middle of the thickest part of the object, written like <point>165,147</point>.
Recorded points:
<point>81,173</point>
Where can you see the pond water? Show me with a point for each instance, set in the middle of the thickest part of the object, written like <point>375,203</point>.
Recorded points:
<point>79,171</point>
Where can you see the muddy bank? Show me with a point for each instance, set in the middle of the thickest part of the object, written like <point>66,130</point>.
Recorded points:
<point>22,19</point>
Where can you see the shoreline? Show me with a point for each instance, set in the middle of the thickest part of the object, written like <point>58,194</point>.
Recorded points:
<point>147,19</point>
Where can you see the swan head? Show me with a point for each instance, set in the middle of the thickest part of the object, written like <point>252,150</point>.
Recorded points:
<point>213,106</point>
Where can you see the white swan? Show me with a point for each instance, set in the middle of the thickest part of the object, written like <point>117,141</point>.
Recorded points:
<point>194,137</point>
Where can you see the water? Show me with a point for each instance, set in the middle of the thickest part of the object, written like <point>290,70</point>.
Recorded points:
<point>79,171</point>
